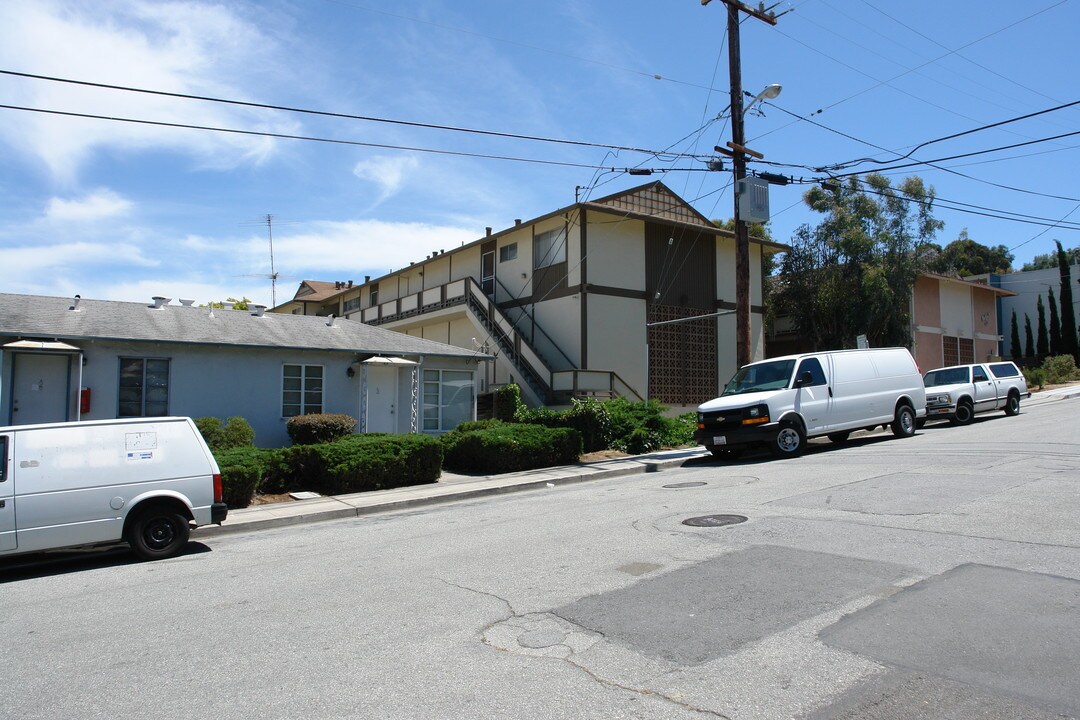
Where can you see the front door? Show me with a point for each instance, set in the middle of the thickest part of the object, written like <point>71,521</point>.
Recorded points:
<point>7,495</point>
<point>487,273</point>
<point>40,388</point>
<point>382,392</point>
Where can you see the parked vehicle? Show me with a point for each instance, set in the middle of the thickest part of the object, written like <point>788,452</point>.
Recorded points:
<point>956,393</point>
<point>781,402</point>
<point>144,481</point>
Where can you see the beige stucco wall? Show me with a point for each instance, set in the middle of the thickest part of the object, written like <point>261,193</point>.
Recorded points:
<point>561,319</point>
<point>927,301</point>
<point>617,337</point>
<point>616,251</point>
<point>956,310</point>
<point>509,273</point>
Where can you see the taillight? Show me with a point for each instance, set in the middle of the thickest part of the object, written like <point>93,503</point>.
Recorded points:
<point>217,487</point>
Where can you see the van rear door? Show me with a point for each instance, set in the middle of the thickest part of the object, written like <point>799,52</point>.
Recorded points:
<point>7,493</point>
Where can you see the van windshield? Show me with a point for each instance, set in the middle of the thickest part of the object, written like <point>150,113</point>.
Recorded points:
<point>760,377</point>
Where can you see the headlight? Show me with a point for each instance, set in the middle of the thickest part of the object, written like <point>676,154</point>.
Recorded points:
<point>756,415</point>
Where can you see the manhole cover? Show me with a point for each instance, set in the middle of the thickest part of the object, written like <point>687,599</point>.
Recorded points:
<point>685,484</point>
<point>714,520</point>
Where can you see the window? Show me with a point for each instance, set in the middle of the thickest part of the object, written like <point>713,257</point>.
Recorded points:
<point>549,248</point>
<point>144,387</point>
<point>352,305</point>
<point>979,375</point>
<point>1005,369</point>
<point>373,297</point>
<point>508,252</point>
<point>958,351</point>
<point>301,390</point>
<point>448,399</point>
<point>812,366</point>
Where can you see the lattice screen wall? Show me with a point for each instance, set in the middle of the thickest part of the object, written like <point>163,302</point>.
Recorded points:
<point>682,357</point>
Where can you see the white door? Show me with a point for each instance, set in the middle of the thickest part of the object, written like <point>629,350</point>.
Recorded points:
<point>382,396</point>
<point>40,388</point>
<point>7,495</point>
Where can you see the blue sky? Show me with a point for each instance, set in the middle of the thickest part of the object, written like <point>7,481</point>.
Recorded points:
<point>121,211</point>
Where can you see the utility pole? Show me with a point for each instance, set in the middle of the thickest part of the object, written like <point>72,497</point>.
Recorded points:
<point>738,146</point>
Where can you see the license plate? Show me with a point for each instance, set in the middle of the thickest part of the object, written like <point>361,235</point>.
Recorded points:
<point>719,440</point>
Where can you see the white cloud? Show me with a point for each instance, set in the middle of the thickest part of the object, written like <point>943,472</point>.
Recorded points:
<point>98,205</point>
<point>388,172</point>
<point>189,47</point>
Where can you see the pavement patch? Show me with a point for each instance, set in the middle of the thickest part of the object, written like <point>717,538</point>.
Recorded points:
<point>1011,633</point>
<point>711,609</point>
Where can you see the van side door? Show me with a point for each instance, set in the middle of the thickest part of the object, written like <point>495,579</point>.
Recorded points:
<point>7,492</point>
<point>987,396</point>
<point>813,396</point>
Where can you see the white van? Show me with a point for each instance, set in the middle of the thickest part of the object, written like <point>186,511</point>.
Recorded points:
<point>783,401</point>
<point>143,480</point>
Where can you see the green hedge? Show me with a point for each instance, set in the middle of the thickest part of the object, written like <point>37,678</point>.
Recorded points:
<point>242,473</point>
<point>357,463</point>
<point>509,447</point>
<point>319,428</point>
<point>236,432</point>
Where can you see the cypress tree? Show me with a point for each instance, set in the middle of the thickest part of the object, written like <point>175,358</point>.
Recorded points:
<point>1042,346</point>
<point>1068,315</point>
<point>1029,338</point>
<point>1055,326</point>
<point>1014,344</point>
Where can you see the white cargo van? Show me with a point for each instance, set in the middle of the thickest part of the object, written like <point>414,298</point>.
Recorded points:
<point>144,481</point>
<point>783,401</point>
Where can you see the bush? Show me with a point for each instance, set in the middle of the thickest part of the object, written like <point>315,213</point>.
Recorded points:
<point>639,427</point>
<point>235,433</point>
<point>592,420</point>
<point>510,447</point>
<point>1035,378</point>
<point>356,464</point>
<point>319,428</point>
<point>507,402</point>
<point>472,425</point>
<point>242,473</point>
<point>1060,368</point>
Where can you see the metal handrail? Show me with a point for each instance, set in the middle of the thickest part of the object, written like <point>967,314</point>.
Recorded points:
<point>535,325</point>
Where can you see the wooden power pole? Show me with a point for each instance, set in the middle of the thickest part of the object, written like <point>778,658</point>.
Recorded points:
<point>738,146</point>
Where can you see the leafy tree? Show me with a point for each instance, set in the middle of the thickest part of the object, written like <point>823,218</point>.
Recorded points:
<point>1045,262</point>
<point>1029,340</point>
<point>1068,315</point>
<point>237,304</point>
<point>1055,326</point>
<point>854,273</point>
<point>963,256</point>
<point>1042,345</point>
<point>1014,339</point>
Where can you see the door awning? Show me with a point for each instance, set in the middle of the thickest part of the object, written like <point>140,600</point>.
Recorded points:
<point>389,361</point>
<point>42,345</point>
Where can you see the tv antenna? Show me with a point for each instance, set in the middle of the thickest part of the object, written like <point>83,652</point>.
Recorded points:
<point>268,220</point>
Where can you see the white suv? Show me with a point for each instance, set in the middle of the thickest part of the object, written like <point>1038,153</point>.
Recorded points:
<point>956,393</point>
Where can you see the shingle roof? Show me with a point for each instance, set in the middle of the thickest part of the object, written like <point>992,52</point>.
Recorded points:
<point>38,316</point>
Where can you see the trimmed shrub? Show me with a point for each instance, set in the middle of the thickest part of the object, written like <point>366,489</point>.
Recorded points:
<point>236,432</point>
<point>510,447</point>
<point>590,418</point>
<point>637,425</point>
<point>1035,378</point>
<point>242,473</point>
<point>507,402</point>
<point>641,440</point>
<point>357,463</point>
<point>1060,368</point>
<point>473,425</point>
<point>319,428</point>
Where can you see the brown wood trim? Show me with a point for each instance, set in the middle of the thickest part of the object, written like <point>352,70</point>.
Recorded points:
<point>583,223</point>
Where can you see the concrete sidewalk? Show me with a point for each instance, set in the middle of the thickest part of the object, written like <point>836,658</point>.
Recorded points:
<point>450,487</point>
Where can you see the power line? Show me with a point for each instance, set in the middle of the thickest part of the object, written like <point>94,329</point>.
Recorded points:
<point>357,143</point>
<point>345,116</point>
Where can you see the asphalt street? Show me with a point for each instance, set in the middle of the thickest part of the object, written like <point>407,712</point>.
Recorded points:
<point>936,576</point>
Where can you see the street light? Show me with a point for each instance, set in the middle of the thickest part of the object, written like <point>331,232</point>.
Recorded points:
<point>770,92</point>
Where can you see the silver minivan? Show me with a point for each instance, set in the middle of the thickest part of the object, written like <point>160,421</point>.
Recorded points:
<point>146,481</point>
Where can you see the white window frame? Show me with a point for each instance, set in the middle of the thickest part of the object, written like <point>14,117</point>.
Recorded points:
<point>439,407</point>
<point>305,407</point>
<point>508,252</point>
<point>554,239</point>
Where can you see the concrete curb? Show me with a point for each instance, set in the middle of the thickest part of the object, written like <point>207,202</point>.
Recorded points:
<point>372,503</point>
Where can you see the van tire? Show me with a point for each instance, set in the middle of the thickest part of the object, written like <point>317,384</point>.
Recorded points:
<point>158,532</point>
<point>839,437</point>
<point>965,412</point>
<point>790,440</point>
<point>903,424</point>
<point>1012,404</point>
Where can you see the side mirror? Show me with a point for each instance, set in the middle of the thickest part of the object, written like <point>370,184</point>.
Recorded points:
<point>807,378</point>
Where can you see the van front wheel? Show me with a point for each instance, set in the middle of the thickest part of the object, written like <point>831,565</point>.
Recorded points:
<point>790,440</point>
<point>157,533</point>
<point>903,424</point>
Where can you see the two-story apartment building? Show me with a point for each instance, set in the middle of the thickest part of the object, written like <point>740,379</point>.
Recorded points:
<point>569,302</point>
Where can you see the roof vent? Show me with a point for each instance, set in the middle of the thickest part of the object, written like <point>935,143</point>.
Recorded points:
<point>517,221</point>
<point>228,305</point>
<point>75,303</point>
<point>488,231</point>
<point>257,310</point>
<point>187,302</point>
<point>160,302</point>
<point>350,283</point>
<point>330,320</point>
